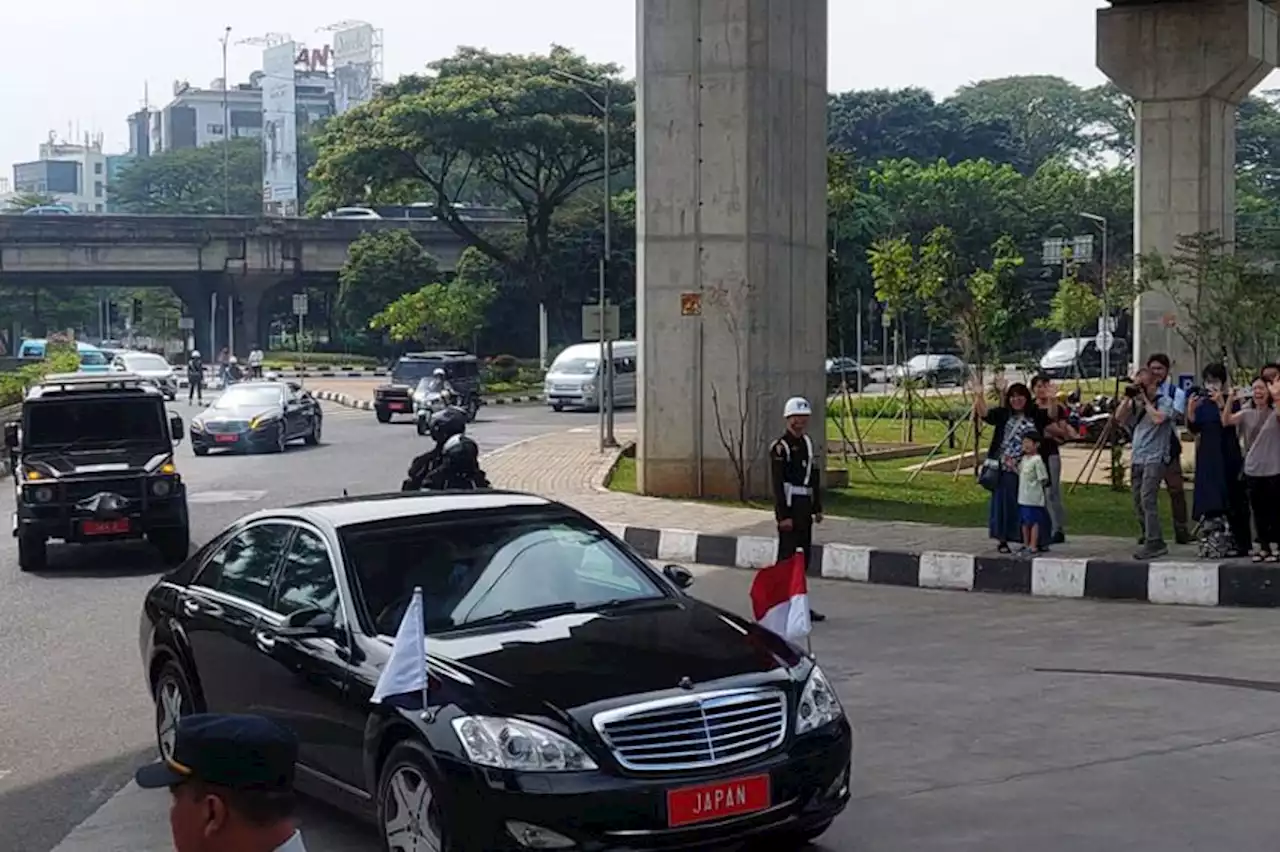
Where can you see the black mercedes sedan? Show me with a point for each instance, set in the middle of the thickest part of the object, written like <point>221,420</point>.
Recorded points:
<point>576,697</point>
<point>262,416</point>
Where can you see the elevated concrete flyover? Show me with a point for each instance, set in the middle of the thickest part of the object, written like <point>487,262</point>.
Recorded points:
<point>206,260</point>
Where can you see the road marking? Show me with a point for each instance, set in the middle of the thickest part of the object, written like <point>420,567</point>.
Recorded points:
<point>225,496</point>
<point>4,773</point>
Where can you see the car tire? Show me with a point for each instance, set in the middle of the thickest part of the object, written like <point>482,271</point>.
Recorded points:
<point>200,451</point>
<point>282,439</point>
<point>174,544</point>
<point>405,772</point>
<point>33,552</point>
<point>383,416</point>
<point>173,699</point>
<point>557,406</point>
<point>422,426</point>
<point>313,437</point>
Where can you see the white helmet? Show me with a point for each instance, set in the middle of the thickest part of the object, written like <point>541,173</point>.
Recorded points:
<point>438,372</point>
<point>195,353</point>
<point>797,406</point>
<point>233,360</point>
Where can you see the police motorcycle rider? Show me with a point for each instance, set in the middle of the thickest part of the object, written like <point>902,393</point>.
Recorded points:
<point>454,461</point>
<point>439,383</point>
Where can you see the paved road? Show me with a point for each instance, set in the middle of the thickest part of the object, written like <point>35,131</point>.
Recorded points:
<point>73,706</point>
<point>965,741</point>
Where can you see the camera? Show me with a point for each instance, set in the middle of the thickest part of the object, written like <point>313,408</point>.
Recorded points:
<point>1132,392</point>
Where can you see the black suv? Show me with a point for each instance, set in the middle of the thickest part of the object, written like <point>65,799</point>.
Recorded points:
<point>461,368</point>
<point>92,461</point>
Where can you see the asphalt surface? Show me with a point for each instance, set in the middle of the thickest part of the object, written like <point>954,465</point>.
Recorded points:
<point>74,711</point>
<point>984,722</point>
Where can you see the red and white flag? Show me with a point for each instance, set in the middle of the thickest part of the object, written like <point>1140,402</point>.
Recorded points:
<point>780,598</point>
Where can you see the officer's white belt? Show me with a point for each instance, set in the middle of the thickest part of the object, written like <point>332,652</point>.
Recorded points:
<point>796,490</point>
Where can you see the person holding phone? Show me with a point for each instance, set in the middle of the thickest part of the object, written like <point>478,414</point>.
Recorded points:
<point>1220,502</point>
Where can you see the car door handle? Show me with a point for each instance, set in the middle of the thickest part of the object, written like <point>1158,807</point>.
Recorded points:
<point>265,640</point>
<point>191,607</point>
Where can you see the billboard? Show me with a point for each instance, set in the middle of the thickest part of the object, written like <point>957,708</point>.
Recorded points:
<point>353,67</point>
<point>279,131</point>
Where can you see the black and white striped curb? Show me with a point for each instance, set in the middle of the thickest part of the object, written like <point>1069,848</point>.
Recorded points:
<point>1187,583</point>
<point>367,405</point>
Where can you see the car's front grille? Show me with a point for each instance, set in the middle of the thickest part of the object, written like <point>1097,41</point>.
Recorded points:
<point>83,489</point>
<point>566,388</point>
<point>698,731</point>
<point>226,426</point>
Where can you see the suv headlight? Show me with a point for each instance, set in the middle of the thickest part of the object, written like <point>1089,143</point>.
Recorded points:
<point>512,744</point>
<point>40,493</point>
<point>818,705</point>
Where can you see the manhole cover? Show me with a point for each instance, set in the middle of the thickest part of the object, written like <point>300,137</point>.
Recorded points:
<point>225,496</point>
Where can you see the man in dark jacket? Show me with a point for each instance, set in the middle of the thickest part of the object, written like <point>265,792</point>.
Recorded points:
<point>797,485</point>
<point>195,377</point>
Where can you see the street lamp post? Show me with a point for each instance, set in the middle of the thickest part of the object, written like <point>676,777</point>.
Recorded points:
<point>226,129</point>
<point>607,439</point>
<point>1107,334</point>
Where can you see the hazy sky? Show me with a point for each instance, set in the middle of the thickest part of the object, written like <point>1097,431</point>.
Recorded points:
<point>84,64</point>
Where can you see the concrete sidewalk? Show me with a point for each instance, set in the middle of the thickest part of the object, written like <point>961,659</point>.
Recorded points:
<point>567,466</point>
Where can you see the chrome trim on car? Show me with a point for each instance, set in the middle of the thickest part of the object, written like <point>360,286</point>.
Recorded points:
<point>695,731</point>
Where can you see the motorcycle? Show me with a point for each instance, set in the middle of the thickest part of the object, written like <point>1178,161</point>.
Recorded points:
<point>428,404</point>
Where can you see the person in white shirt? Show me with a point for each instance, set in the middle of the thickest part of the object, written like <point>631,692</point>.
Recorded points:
<point>230,780</point>
<point>256,358</point>
<point>1033,481</point>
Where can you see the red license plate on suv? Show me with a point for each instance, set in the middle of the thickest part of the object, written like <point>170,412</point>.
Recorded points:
<point>120,525</point>
<point>396,406</point>
<point>723,799</point>
<point>227,439</point>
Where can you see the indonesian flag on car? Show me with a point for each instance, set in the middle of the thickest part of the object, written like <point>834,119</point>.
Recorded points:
<point>780,598</point>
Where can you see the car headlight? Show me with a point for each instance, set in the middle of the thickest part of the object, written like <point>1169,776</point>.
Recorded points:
<point>512,744</point>
<point>197,425</point>
<point>259,422</point>
<point>40,493</point>
<point>161,487</point>
<point>588,388</point>
<point>818,704</point>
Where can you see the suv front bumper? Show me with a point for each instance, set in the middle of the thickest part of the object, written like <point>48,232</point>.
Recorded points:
<point>66,522</point>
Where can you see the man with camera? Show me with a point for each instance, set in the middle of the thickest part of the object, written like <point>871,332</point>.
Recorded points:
<point>1158,365</point>
<point>1151,416</point>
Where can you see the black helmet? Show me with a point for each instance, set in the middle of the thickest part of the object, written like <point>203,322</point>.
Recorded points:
<point>447,423</point>
<point>462,452</point>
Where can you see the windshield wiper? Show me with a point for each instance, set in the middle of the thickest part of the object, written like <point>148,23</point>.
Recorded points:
<point>629,603</point>
<point>524,613</point>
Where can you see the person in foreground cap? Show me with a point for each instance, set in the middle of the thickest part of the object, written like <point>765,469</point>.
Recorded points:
<point>797,485</point>
<point>231,779</point>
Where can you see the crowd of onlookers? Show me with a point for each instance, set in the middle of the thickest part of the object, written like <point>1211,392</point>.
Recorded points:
<point>1237,462</point>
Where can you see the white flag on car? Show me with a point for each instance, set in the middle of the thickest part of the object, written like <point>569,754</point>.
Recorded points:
<point>403,681</point>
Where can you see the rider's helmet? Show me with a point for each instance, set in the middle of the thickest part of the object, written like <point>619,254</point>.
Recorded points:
<point>439,372</point>
<point>446,424</point>
<point>195,353</point>
<point>233,360</point>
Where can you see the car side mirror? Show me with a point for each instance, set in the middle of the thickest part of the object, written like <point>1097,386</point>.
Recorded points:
<point>679,575</point>
<point>307,623</point>
<point>176,428</point>
<point>11,435</point>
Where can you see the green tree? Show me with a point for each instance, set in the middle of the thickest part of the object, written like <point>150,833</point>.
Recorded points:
<point>1074,308</point>
<point>381,267</point>
<point>986,317</point>
<point>506,120</point>
<point>437,313</point>
<point>26,200</point>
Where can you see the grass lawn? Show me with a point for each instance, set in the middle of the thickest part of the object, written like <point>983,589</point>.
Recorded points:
<point>890,430</point>
<point>937,498</point>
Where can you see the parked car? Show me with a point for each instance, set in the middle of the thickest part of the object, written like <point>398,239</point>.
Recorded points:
<point>49,210</point>
<point>352,213</point>
<point>1079,357</point>
<point>846,370</point>
<point>92,359</point>
<point>933,370</point>
<point>151,367</point>
<point>577,698</point>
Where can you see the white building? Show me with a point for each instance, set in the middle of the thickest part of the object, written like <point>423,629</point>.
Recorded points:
<point>73,174</point>
<point>195,117</point>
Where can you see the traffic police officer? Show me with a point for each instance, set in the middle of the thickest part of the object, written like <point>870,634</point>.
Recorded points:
<point>797,486</point>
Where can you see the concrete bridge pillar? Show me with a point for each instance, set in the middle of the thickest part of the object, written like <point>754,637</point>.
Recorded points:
<point>1187,65</point>
<point>731,172</point>
<point>195,291</point>
<point>249,292</point>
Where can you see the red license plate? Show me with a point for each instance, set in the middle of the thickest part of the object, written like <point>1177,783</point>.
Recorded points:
<point>227,439</point>
<point>396,406</point>
<point>690,805</point>
<point>120,525</point>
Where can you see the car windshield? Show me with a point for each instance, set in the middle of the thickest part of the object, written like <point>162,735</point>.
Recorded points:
<point>491,568</point>
<point>409,372</point>
<point>248,397</point>
<point>113,421</point>
<point>431,384</point>
<point>577,366</point>
<point>1068,346</point>
<point>146,363</point>
<point>922,362</point>
<point>92,358</point>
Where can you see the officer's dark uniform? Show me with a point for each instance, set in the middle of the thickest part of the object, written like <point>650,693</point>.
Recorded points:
<point>454,460</point>
<point>797,492</point>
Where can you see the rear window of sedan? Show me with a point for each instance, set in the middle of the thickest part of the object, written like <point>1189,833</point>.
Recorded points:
<point>484,565</point>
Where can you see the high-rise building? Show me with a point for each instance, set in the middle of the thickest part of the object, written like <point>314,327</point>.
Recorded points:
<point>73,174</point>
<point>195,117</point>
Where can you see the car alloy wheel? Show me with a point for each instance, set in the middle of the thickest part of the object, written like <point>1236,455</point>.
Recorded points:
<point>409,810</point>
<point>172,703</point>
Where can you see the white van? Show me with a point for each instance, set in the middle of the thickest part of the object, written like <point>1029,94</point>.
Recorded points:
<point>575,377</point>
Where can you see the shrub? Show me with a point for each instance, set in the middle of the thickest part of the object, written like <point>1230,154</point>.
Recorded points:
<point>504,368</point>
